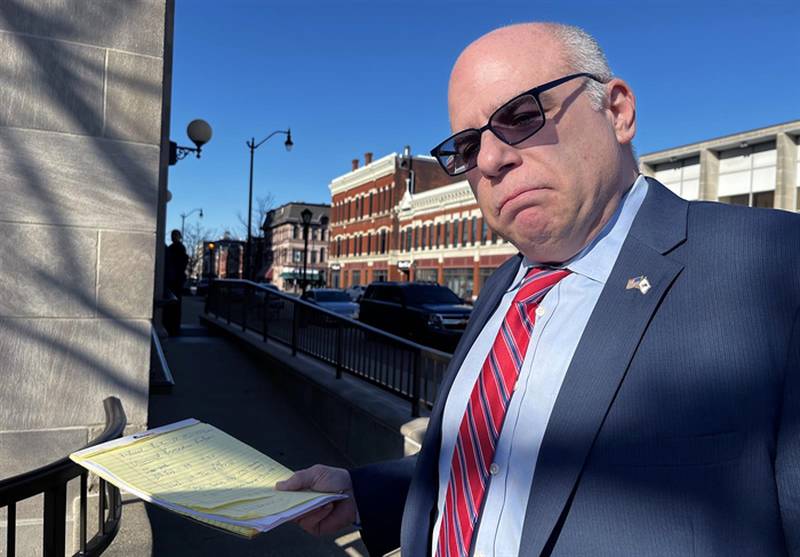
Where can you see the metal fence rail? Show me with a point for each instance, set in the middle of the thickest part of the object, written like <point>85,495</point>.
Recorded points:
<point>404,368</point>
<point>51,481</point>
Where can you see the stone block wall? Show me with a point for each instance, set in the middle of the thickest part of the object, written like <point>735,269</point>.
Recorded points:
<point>82,172</point>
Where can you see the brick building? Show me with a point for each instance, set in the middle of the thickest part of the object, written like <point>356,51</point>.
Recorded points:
<point>283,237</point>
<point>223,259</point>
<point>402,218</point>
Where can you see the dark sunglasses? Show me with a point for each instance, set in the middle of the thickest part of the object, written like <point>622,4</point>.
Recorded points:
<point>512,123</point>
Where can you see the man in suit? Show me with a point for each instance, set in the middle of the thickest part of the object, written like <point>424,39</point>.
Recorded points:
<point>629,383</point>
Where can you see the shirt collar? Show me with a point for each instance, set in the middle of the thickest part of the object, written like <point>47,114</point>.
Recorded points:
<point>596,260</point>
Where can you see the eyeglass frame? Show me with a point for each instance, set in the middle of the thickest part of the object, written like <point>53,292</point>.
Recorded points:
<point>535,92</point>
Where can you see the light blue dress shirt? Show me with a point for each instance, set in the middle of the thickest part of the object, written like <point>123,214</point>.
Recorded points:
<point>561,319</point>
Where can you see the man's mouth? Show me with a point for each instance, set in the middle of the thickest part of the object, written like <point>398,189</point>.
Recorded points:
<point>518,198</point>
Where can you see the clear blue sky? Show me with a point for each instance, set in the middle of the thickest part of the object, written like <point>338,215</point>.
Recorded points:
<point>354,76</point>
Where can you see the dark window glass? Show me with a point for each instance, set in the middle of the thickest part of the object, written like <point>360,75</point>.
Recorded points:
<point>464,232</point>
<point>430,294</point>
<point>331,295</point>
<point>370,203</point>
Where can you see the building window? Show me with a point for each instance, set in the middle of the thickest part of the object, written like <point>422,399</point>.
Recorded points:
<point>427,275</point>
<point>295,230</point>
<point>379,275</point>
<point>456,235</point>
<point>338,247</point>
<point>464,232</point>
<point>313,256</point>
<point>484,231</point>
<point>369,242</point>
<point>297,256</point>
<point>408,239</point>
<point>355,277</point>
<point>383,241</point>
<point>474,237</point>
<point>370,203</point>
<point>459,281</point>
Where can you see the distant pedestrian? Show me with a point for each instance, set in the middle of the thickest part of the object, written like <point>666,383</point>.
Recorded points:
<point>174,279</point>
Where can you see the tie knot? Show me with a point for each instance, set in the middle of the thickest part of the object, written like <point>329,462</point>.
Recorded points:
<point>537,283</point>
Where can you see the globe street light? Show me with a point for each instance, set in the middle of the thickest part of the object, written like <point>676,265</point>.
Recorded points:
<point>253,146</point>
<point>199,131</point>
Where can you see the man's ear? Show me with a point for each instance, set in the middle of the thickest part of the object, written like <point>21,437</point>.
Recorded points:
<point>621,106</point>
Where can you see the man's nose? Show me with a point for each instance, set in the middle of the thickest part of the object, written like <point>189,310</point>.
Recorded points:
<point>496,157</point>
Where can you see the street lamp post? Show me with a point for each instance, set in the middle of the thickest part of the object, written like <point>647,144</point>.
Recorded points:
<point>306,216</point>
<point>253,146</point>
<point>183,219</point>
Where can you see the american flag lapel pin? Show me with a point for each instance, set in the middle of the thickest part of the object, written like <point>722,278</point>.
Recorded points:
<point>640,283</point>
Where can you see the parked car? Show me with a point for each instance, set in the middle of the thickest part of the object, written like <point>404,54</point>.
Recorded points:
<point>332,299</point>
<point>275,303</point>
<point>424,312</point>
<point>355,292</point>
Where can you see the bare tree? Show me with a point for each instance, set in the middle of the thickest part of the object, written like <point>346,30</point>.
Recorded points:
<point>193,237</point>
<point>261,207</point>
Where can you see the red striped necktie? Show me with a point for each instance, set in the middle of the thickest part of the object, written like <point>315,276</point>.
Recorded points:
<point>483,420</point>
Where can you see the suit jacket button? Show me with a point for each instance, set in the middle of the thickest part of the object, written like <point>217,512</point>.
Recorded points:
<point>494,469</point>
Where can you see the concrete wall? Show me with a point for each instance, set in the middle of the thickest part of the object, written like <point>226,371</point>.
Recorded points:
<point>81,132</point>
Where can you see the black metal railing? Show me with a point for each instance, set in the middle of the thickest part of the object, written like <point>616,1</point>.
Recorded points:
<point>407,369</point>
<point>51,481</point>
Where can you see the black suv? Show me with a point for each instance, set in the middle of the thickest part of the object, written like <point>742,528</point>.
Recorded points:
<point>420,311</point>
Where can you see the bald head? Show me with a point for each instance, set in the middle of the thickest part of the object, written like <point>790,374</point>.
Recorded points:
<point>564,48</point>
<point>551,191</point>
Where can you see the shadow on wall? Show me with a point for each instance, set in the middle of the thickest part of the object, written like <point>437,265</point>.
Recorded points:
<point>79,149</point>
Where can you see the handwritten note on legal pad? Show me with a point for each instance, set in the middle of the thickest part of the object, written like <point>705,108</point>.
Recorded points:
<point>197,470</point>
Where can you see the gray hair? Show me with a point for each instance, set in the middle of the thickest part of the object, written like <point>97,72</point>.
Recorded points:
<point>583,54</point>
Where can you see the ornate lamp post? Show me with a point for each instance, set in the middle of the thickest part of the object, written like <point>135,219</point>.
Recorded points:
<point>252,145</point>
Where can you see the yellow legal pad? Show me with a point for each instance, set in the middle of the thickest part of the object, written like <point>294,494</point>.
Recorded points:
<point>196,470</point>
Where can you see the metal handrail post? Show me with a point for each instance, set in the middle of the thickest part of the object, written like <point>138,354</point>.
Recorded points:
<point>265,314</point>
<point>55,517</point>
<point>245,305</point>
<point>415,386</point>
<point>339,334</point>
<point>294,329</point>
<point>228,304</point>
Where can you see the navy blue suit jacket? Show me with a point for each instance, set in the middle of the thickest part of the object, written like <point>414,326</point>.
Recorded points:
<point>677,429</point>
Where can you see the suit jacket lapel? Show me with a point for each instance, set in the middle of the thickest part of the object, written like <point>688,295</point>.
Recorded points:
<point>418,516</point>
<point>601,360</point>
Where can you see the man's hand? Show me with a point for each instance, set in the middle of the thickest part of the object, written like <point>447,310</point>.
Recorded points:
<point>333,516</point>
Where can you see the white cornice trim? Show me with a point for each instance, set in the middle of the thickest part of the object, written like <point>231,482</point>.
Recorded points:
<point>368,173</point>
<point>452,196</point>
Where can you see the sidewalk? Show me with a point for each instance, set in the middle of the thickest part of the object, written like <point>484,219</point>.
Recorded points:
<point>216,382</point>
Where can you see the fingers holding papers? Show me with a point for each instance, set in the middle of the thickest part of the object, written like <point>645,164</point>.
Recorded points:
<point>333,516</point>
